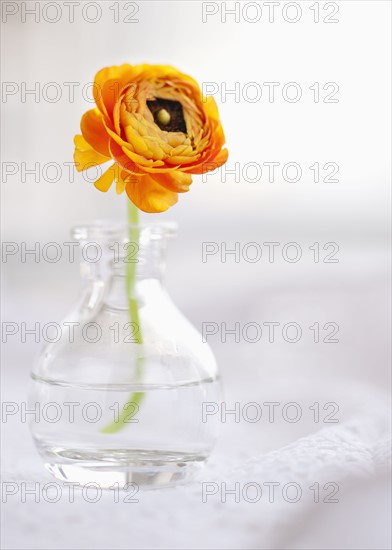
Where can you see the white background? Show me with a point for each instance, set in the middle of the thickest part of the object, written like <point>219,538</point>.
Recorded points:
<point>354,133</point>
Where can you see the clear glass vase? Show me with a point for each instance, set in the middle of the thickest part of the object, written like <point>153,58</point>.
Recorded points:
<point>121,392</point>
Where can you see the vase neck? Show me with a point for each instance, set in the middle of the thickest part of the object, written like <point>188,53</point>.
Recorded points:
<point>135,253</point>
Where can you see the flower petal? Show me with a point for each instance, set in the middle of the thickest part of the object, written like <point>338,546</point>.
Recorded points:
<point>94,132</point>
<point>211,108</point>
<point>108,83</point>
<point>120,185</point>
<point>124,162</point>
<point>209,163</point>
<point>149,195</point>
<point>142,161</point>
<point>152,165</point>
<point>105,181</point>
<point>85,156</point>
<point>176,181</point>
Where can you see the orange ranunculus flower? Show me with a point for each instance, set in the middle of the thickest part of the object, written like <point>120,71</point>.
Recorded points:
<point>154,122</point>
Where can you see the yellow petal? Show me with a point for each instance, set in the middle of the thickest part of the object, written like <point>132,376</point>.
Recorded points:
<point>142,161</point>
<point>211,107</point>
<point>120,183</point>
<point>105,181</point>
<point>85,156</point>
<point>179,159</point>
<point>139,145</point>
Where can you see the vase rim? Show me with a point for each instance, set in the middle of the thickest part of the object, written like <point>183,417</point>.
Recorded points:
<point>103,229</point>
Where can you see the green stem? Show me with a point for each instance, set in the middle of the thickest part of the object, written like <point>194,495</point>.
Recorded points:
<point>135,398</point>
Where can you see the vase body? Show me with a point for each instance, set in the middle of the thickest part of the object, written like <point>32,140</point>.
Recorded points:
<point>122,392</point>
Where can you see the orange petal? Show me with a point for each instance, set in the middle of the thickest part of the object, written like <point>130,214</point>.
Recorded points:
<point>108,84</point>
<point>154,72</point>
<point>94,131</point>
<point>85,156</point>
<point>176,181</point>
<point>148,195</point>
<point>209,163</point>
<point>218,136</point>
<point>125,162</point>
<point>157,169</point>
<point>105,181</point>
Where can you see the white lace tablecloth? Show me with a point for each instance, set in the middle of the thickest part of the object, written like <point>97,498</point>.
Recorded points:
<point>352,454</point>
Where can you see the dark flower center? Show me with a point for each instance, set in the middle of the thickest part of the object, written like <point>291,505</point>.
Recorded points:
<point>174,122</point>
